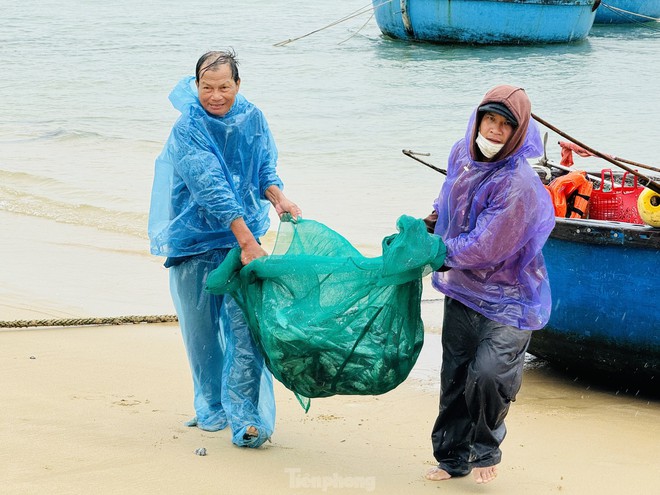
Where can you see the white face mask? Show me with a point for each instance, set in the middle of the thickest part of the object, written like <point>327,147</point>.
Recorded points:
<point>488,148</point>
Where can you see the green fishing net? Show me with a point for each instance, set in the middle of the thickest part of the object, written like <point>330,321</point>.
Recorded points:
<point>329,320</point>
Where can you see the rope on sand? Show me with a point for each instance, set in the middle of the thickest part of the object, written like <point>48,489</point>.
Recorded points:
<point>76,322</point>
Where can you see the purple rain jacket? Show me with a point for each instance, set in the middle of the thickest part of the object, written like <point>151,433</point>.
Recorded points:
<point>494,218</point>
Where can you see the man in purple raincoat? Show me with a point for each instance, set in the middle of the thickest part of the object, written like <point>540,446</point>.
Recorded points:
<point>494,216</point>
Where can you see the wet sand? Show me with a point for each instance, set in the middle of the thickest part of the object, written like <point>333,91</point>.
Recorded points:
<point>101,408</point>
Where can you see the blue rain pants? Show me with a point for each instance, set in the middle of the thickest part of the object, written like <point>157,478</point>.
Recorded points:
<point>482,366</point>
<point>232,385</point>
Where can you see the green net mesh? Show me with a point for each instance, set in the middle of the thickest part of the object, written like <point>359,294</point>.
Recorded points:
<point>329,320</point>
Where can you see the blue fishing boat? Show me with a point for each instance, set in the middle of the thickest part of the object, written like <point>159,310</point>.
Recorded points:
<point>486,21</point>
<point>627,11</point>
<point>605,319</point>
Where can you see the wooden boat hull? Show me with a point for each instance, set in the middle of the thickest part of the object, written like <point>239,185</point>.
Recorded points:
<point>605,287</point>
<point>648,8</point>
<point>485,21</point>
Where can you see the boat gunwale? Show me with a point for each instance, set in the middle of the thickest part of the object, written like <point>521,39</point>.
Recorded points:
<point>606,233</point>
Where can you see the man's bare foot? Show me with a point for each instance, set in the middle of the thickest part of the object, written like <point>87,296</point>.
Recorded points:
<point>250,433</point>
<point>437,474</point>
<point>485,474</point>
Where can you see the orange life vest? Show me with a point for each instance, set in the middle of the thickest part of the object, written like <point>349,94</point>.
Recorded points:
<point>570,194</point>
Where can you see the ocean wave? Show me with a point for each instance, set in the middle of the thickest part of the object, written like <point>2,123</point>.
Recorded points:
<point>87,215</point>
<point>64,135</point>
<point>58,134</point>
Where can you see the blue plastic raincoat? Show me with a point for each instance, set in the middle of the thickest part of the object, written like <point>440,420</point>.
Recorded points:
<point>494,218</point>
<point>212,171</point>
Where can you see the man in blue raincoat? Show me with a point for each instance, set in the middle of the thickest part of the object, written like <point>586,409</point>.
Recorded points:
<point>494,216</point>
<point>213,185</point>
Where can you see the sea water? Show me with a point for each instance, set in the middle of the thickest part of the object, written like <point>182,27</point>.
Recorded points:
<point>84,109</point>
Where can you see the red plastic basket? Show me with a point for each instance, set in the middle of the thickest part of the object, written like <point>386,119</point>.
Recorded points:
<point>618,202</point>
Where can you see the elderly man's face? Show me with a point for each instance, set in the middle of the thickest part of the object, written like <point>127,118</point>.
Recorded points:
<point>217,90</point>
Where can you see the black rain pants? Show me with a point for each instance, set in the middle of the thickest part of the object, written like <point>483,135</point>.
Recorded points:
<point>482,365</point>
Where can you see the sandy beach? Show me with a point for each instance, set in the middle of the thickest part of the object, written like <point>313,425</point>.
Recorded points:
<point>101,408</point>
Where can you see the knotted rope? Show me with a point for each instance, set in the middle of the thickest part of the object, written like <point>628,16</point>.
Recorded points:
<point>77,322</point>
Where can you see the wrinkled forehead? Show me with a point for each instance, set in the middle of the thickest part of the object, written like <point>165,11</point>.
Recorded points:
<point>216,74</point>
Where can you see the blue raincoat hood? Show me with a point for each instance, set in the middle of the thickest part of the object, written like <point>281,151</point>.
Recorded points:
<point>211,171</point>
<point>494,218</point>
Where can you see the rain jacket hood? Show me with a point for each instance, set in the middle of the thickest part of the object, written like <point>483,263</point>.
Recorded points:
<point>211,171</point>
<point>516,100</point>
<point>494,218</point>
